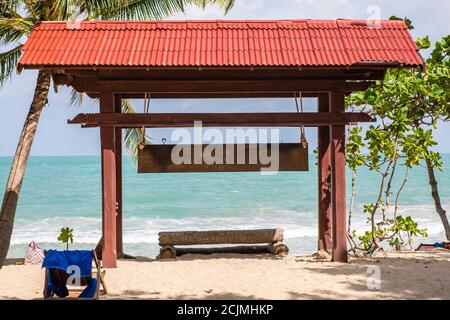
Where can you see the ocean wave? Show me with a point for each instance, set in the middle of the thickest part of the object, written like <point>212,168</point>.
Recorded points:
<point>144,229</point>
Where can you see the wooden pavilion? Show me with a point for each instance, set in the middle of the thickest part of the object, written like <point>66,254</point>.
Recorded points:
<point>114,60</point>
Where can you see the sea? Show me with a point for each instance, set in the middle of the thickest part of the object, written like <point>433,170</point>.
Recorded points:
<point>66,192</point>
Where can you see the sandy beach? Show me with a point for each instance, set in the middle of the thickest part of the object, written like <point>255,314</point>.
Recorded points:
<point>406,275</point>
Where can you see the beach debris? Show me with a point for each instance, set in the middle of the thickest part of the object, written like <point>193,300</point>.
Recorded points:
<point>322,255</point>
<point>427,246</point>
<point>20,262</point>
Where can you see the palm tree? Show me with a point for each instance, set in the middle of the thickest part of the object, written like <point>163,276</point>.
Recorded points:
<point>17,20</point>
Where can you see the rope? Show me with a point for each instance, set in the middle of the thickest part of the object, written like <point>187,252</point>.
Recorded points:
<point>303,140</point>
<point>146,110</point>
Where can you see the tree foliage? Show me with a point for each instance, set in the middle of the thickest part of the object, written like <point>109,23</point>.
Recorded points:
<point>66,236</point>
<point>409,103</point>
<point>15,27</point>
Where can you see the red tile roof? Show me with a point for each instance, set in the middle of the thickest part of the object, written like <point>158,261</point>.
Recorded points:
<point>218,43</point>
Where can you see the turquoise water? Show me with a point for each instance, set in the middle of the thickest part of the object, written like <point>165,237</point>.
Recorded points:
<point>65,191</point>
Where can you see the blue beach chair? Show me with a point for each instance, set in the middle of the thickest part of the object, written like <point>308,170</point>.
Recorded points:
<point>75,266</point>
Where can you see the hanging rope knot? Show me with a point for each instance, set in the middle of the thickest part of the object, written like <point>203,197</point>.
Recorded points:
<point>143,142</point>
<point>303,140</point>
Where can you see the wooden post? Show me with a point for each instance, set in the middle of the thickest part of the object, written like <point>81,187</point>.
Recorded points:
<point>118,149</point>
<point>324,177</point>
<point>337,101</point>
<point>109,253</point>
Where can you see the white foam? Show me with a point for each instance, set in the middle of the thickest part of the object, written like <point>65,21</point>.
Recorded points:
<point>144,229</point>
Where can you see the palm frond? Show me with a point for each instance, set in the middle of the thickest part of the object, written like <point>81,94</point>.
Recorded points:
<point>135,9</point>
<point>133,136</point>
<point>36,9</point>
<point>102,9</point>
<point>53,10</point>
<point>44,10</point>
<point>98,6</point>
<point>145,9</point>
<point>59,10</point>
<point>226,5</point>
<point>76,98</point>
<point>12,29</point>
<point>8,62</point>
<point>10,8</point>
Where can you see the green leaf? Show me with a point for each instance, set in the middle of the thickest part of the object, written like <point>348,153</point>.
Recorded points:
<point>13,29</point>
<point>133,136</point>
<point>8,62</point>
<point>423,43</point>
<point>66,236</point>
<point>407,21</point>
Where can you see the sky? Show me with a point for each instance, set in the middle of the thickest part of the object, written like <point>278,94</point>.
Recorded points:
<point>55,137</point>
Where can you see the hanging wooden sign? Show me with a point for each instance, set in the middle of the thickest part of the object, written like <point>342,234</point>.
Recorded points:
<point>223,158</point>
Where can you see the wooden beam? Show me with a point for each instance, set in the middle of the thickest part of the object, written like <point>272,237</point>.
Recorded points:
<point>214,95</point>
<point>213,73</point>
<point>337,101</point>
<point>109,253</point>
<point>237,86</point>
<point>325,216</point>
<point>118,150</point>
<point>172,120</point>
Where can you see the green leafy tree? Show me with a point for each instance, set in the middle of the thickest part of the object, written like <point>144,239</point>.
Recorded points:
<point>390,144</point>
<point>409,104</point>
<point>66,236</point>
<point>428,97</point>
<point>17,19</point>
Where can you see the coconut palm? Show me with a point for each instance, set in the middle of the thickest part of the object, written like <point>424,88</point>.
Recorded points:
<point>17,19</point>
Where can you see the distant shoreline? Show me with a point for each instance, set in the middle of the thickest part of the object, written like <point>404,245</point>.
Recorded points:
<point>124,156</point>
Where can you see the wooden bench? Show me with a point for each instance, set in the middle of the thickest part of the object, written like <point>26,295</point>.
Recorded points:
<point>250,242</point>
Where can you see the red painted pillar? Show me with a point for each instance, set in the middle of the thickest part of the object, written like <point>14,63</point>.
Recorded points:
<point>109,254</point>
<point>337,101</point>
<point>325,216</point>
<point>118,149</point>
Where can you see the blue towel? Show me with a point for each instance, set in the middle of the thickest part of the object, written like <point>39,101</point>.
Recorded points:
<point>62,260</point>
<point>90,290</point>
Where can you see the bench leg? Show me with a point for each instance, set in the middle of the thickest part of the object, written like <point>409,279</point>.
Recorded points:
<point>167,252</point>
<point>278,248</point>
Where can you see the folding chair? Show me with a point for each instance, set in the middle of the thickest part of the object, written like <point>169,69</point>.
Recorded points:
<point>73,266</point>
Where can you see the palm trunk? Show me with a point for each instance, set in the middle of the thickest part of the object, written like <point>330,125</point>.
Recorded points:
<point>19,164</point>
<point>437,199</point>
